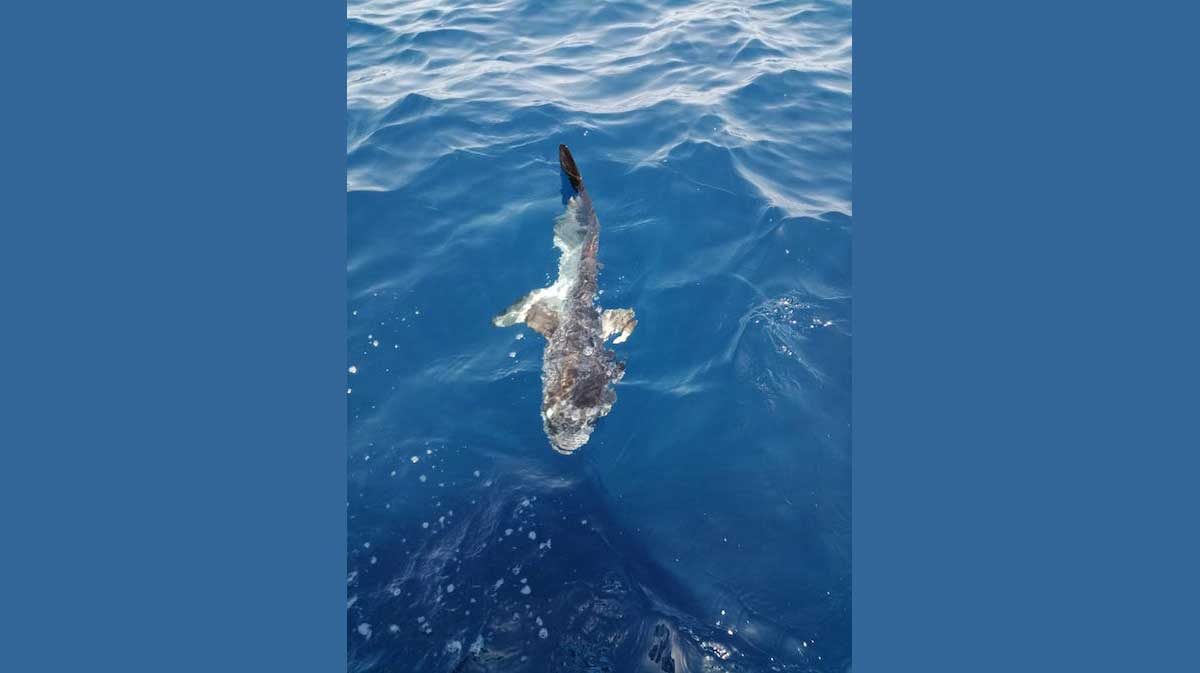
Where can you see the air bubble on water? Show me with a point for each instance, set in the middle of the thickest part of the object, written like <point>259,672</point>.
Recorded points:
<point>353,369</point>
<point>449,588</point>
<point>532,535</point>
<point>366,545</point>
<point>512,354</point>
<point>394,628</point>
<point>507,532</point>
<point>425,524</point>
<point>374,560</point>
<point>375,343</point>
<point>526,590</point>
<point>364,630</point>
<point>476,473</point>
<point>415,459</point>
<point>520,336</point>
<point>543,633</point>
<point>422,478</point>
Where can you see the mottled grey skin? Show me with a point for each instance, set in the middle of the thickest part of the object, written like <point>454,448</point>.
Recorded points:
<point>577,370</point>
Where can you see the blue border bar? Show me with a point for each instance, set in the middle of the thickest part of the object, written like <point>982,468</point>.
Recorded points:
<point>1025,335</point>
<point>173,255</point>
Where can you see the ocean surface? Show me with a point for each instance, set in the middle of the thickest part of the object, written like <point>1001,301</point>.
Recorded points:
<point>706,525</point>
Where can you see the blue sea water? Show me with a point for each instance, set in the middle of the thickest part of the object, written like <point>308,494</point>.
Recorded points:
<point>706,525</point>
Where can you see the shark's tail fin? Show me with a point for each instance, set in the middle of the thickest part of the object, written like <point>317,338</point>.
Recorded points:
<point>568,166</point>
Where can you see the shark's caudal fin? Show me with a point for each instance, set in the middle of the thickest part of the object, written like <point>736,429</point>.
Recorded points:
<point>568,166</point>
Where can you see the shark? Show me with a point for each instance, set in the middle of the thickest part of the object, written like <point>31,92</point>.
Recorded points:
<point>578,371</point>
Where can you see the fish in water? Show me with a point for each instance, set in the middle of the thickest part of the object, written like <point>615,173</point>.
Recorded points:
<point>578,372</point>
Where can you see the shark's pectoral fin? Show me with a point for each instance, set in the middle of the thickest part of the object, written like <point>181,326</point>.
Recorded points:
<point>518,310</point>
<point>542,318</point>
<point>619,321</point>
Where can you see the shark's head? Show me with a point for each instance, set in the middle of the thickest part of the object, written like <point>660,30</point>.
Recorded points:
<point>575,394</point>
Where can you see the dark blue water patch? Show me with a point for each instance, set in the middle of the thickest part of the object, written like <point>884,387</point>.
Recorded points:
<point>490,564</point>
